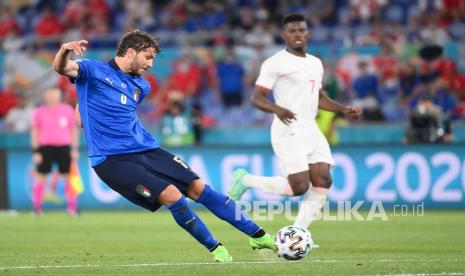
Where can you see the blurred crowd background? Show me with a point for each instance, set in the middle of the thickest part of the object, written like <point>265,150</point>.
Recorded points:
<point>393,58</point>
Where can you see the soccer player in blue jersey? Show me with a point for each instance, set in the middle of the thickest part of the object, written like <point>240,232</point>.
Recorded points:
<point>127,158</point>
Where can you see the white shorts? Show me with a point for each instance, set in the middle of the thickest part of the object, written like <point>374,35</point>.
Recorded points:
<point>296,150</point>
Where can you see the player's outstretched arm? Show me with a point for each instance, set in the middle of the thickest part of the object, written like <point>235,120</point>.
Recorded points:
<point>260,101</point>
<point>62,64</point>
<point>327,104</point>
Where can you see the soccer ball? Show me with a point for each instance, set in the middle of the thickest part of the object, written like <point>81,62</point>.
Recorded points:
<point>293,243</point>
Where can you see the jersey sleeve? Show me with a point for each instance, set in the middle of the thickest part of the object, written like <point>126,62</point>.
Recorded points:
<point>268,75</point>
<point>85,69</point>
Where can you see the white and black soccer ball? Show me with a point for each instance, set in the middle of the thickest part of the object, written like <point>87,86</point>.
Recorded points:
<point>293,243</point>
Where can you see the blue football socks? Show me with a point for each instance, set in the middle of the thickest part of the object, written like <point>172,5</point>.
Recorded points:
<point>187,219</point>
<point>227,210</point>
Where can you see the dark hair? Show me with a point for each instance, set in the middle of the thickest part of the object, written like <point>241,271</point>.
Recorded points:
<point>294,17</point>
<point>177,104</point>
<point>138,41</point>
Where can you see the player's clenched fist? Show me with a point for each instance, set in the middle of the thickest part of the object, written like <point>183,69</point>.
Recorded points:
<point>75,46</point>
<point>352,112</point>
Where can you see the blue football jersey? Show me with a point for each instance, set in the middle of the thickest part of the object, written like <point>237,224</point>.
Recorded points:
<point>108,99</point>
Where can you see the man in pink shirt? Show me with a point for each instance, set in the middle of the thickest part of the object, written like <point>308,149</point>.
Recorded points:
<point>54,139</point>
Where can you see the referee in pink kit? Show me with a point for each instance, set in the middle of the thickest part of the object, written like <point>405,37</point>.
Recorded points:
<point>54,139</point>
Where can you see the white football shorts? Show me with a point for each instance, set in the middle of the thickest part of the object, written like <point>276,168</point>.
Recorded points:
<point>296,150</point>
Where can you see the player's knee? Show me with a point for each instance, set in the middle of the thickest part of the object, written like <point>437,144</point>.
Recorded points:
<point>195,189</point>
<point>299,183</point>
<point>324,181</point>
<point>169,195</point>
<point>299,187</point>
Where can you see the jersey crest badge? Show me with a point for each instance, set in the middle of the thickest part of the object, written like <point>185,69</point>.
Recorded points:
<point>124,99</point>
<point>136,94</point>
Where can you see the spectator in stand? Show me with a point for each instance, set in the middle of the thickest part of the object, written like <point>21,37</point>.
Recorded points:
<point>386,63</point>
<point>453,79</point>
<point>433,34</point>
<point>375,35</point>
<point>49,24</point>
<point>7,101</point>
<point>231,79</point>
<point>139,14</point>
<point>8,24</point>
<point>408,79</point>
<point>259,35</point>
<point>69,90</point>
<point>174,15</point>
<point>347,68</point>
<point>185,77</point>
<point>97,29</point>
<point>453,11</point>
<point>426,74</point>
<point>365,10</point>
<point>245,19</point>
<point>208,16</point>
<point>254,59</point>
<point>207,64</point>
<point>177,126</point>
<point>18,119</point>
<point>74,13</point>
<point>364,93</point>
<point>442,66</point>
<point>98,10</point>
<point>457,85</point>
<point>429,6</point>
<point>390,98</point>
<point>413,30</point>
<point>322,12</point>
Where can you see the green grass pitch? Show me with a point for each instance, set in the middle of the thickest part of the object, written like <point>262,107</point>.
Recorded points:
<point>141,243</point>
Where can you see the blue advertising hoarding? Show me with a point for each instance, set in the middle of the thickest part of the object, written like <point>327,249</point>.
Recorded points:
<point>430,174</point>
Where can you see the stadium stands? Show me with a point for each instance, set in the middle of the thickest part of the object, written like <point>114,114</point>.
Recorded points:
<point>386,35</point>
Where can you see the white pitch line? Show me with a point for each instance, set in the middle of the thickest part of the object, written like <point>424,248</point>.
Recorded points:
<point>427,274</point>
<point>136,265</point>
<point>212,263</point>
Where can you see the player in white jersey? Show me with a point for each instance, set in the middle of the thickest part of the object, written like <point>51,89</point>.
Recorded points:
<point>294,77</point>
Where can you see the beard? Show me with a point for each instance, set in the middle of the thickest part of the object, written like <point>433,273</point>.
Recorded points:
<point>135,68</point>
<point>297,48</point>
